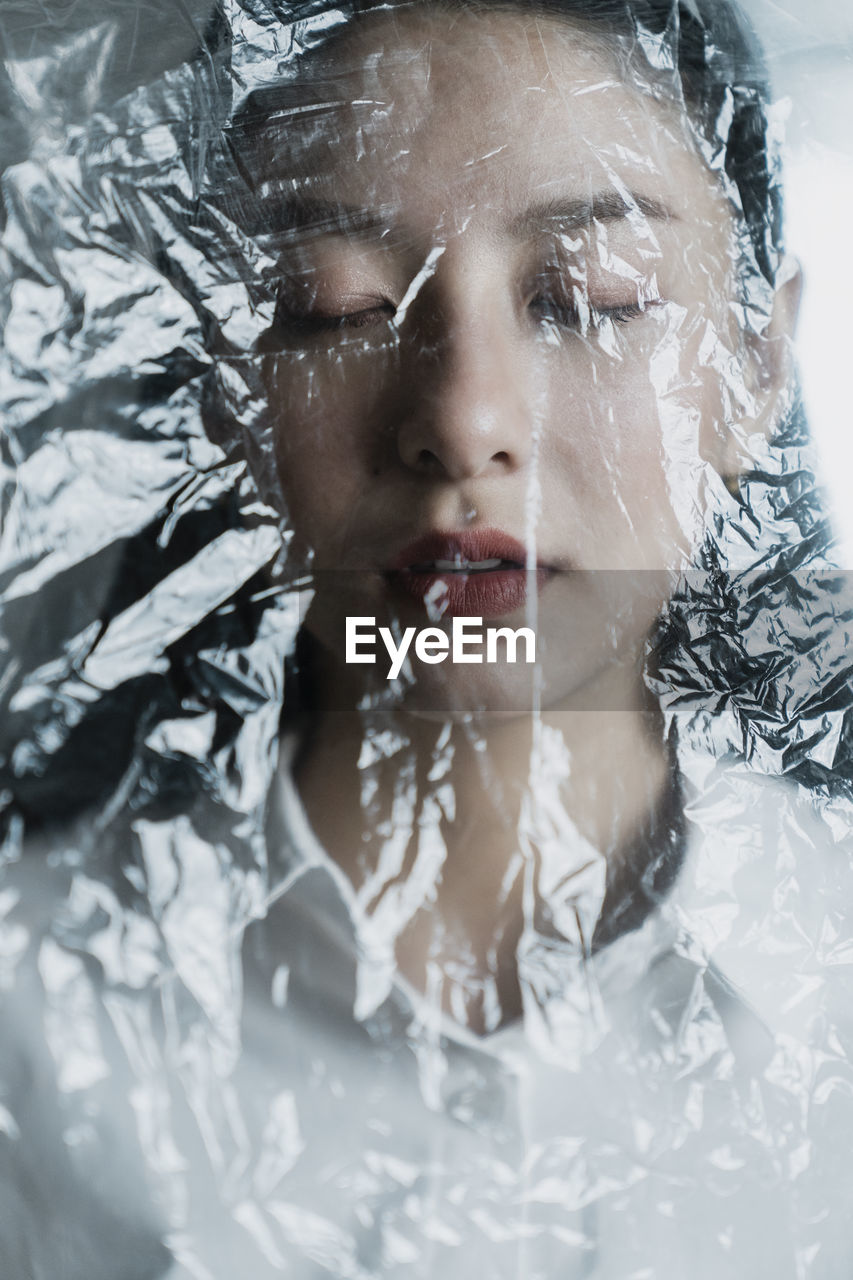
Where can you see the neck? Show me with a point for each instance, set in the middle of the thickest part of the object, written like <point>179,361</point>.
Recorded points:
<point>444,828</point>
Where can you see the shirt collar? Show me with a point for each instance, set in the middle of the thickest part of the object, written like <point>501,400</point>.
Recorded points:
<point>569,997</point>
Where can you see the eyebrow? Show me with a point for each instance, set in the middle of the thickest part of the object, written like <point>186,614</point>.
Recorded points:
<point>287,211</point>
<point>574,215</point>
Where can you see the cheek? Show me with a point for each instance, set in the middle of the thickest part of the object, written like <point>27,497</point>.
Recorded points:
<point>324,407</point>
<point>632,429</point>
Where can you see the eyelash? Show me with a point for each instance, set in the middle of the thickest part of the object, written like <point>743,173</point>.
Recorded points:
<point>568,316</point>
<point>308,324</point>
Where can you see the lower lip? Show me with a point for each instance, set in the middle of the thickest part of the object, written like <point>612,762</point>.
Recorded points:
<point>490,594</point>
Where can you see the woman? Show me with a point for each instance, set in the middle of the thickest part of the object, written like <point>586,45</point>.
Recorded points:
<point>489,336</point>
<point>493,300</point>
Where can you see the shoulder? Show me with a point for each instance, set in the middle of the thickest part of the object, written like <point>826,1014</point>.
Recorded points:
<point>767,882</point>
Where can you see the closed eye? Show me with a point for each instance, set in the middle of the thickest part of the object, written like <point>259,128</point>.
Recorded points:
<point>294,322</point>
<point>571,316</point>
<point>325,322</point>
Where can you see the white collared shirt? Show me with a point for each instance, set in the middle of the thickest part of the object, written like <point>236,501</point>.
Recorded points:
<point>324,1120</point>
<point>397,1144</point>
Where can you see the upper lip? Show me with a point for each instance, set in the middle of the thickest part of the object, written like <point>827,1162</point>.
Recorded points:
<point>465,548</point>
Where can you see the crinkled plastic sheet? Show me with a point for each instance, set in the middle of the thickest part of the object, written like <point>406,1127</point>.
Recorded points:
<point>218,1056</point>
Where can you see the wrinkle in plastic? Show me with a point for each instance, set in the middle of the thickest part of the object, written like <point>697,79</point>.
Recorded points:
<point>309,972</point>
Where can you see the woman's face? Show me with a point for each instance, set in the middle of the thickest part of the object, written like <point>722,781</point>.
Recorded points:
<point>505,336</point>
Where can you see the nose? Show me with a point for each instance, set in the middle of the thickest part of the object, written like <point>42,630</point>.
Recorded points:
<point>470,405</point>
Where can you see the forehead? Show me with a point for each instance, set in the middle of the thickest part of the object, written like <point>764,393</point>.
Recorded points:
<point>485,111</point>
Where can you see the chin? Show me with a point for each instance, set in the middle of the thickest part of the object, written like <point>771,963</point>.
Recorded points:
<point>472,695</point>
<point>585,658</point>
<point>462,695</point>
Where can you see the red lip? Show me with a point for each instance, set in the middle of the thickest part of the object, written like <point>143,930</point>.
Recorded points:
<point>489,593</point>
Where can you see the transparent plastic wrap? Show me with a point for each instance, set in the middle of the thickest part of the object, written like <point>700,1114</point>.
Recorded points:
<point>425,759</point>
